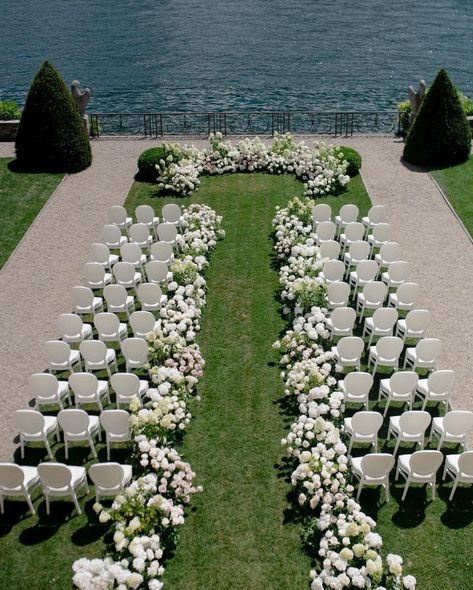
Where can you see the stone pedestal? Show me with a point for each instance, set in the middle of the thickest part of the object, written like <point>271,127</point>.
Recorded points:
<point>8,130</point>
<point>86,123</point>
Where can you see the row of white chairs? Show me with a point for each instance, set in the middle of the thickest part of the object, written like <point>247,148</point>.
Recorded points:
<point>149,295</point>
<point>139,234</point>
<point>60,480</point>
<point>348,214</point>
<point>125,274</point>
<point>76,424</point>
<point>404,298</point>
<point>145,214</point>
<point>131,252</point>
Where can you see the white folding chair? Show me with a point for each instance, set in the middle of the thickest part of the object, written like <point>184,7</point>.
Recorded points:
<point>399,387</point>
<point>363,427</point>
<point>397,273</point>
<point>34,427</point>
<point>389,252</point>
<point>142,323</point>
<point>420,467</point>
<point>85,302</point>
<point>341,321</point>
<point>139,234</point>
<point>157,272</point>
<point>145,214</point>
<point>424,355</point>
<point>373,470</point>
<point>167,232</point>
<point>77,425</point>
<point>376,215</point>
<point>172,213</point>
<point>365,271</point>
<point>135,351</point>
<point>372,297</point>
<point>333,271</point>
<point>357,252</point>
<point>126,276</point>
<point>97,356</point>
<point>72,329</point>
<point>405,296</point>
<point>96,276</point>
<point>46,389</point>
<point>356,387</point>
<point>118,300</point>
<point>321,213</point>
<point>414,325</point>
<point>151,297</point>
<point>117,215</point>
<point>116,426</point>
<point>347,214</point>
<point>409,427</point>
<point>381,323</point>
<point>436,388</point>
<point>128,386</point>
<point>88,389</point>
<point>60,480</point>
<point>329,250</point>
<point>100,253</point>
<point>325,231</point>
<point>162,251</point>
<point>348,351</point>
<point>354,232</point>
<point>452,428</point>
<point>60,357</point>
<point>385,353</point>
<point>109,479</point>
<point>381,234</point>
<point>109,328</point>
<point>338,294</point>
<point>17,480</point>
<point>112,237</point>
<point>133,254</point>
<point>459,467</point>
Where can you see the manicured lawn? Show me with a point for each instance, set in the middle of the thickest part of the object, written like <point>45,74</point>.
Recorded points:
<point>22,196</point>
<point>457,182</point>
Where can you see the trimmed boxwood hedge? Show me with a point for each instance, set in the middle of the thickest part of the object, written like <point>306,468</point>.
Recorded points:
<point>353,158</point>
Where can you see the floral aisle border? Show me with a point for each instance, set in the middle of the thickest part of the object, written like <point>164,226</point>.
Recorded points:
<point>342,538</point>
<point>147,516</point>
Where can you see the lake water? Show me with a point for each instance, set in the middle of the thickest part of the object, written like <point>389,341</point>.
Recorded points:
<point>195,55</point>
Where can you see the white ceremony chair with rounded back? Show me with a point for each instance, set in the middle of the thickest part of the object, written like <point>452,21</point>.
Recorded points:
<point>363,427</point>
<point>118,300</point>
<point>354,232</point>
<point>112,237</point>
<point>101,253</point>
<point>320,213</point>
<point>376,215</point>
<point>333,271</point>
<point>172,213</point>
<point>372,297</point>
<point>60,480</point>
<point>365,271</point>
<point>420,467</point>
<point>140,235</point>
<point>46,389</point>
<point>341,321</point>
<point>117,215</point>
<point>162,251</point>
<point>409,427</point>
<point>145,214</point>
<point>452,428</point>
<point>329,250</point>
<point>397,273</point>
<point>109,328</point>
<point>325,231</point>
<point>436,388</point>
<point>116,426</point>
<point>135,351</point>
<point>109,479</point>
<point>348,351</point>
<point>405,296</point>
<point>381,323</point>
<point>128,386</point>
<point>95,275</point>
<point>34,427</point>
<point>414,324</point>
<point>142,323</point>
<point>133,254</point>
<point>17,480</point>
<point>458,467</point>
<point>424,355</point>
<point>348,214</point>
<point>72,329</point>
<point>357,252</point>
<point>356,387</point>
<point>400,387</point>
<point>60,357</point>
<point>97,356</point>
<point>373,470</point>
<point>167,232</point>
<point>381,234</point>
<point>77,425</point>
<point>88,389</point>
<point>338,295</point>
<point>85,302</point>
<point>389,252</point>
<point>385,353</point>
<point>126,276</point>
<point>151,297</point>
<point>157,272</point>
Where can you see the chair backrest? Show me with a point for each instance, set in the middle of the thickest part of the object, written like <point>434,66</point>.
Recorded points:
<point>107,323</point>
<point>99,253</point>
<point>149,293</point>
<point>390,251</point>
<point>106,475</point>
<point>73,421</point>
<point>366,270</point>
<point>145,214</point>
<point>139,232</point>
<point>366,423</point>
<point>171,213</point>
<point>43,384</point>
<point>57,351</point>
<point>330,249</point>
<point>161,251</point>
<point>389,347</point>
<point>354,230</point>
<point>382,232</point>
<point>93,351</point>
<point>69,324</point>
<point>375,291</point>
<point>115,421</point>
<point>321,212</point>
<point>83,384</point>
<point>359,250</point>
<point>403,382</point>
<point>465,464</point>
<point>428,349</point>
<point>417,320</point>
<point>94,272</point>
<point>124,272</point>
<point>125,384</point>
<point>135,349</point>
<point>377,465</point>
<point>350,347</point>
<point>399,270</point>
<point>458,422</point>
<point>11,476</point>
<point>131,252</point>
<point>414,422</point>
<point>358,383</point>
<point>425,462</point>
<point>111,234</point>
<point>82,296</point>
<point>325,230</point>
<point>142,322</point>
<point>407,293</point>
<point>376,214</point>
<point>167,232</point>
<point>348,213</point>
<point>156,270</point>
<point>115,294</point>
<point>338,292</point>
<point>54,475</point>
<point>117,214</point>
<point>441,382</point>
<point>29,421</point>
<point>384,318</point>
<point>334,270</point>
<point>343,318</point>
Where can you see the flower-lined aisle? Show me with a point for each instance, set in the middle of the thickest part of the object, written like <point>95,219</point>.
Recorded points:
<point>341,538</point>
<point>147,516</point>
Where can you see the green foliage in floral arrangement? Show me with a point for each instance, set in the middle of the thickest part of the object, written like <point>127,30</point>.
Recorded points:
<point>352,157</point>
<point>309,293</point>
<point>151,158</point>
<point>301,208</point>
<point>184,272</point>
<point>9,111</point>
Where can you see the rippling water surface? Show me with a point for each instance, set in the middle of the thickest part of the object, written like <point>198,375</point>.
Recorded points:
<point>196,55</point>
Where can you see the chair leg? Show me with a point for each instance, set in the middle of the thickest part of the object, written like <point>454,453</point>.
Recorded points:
<point>48,448</point>
<point>396,448</point>
<point>108,450</point>
<point>452,493</point>
<point>406,487</point>
<point>22,447</point>
<point>386,488</point>
<point>359,490</point>
<point>66,448</point>
<point>433,490</point>
<point>30,504</point>
<point>386,407</point>
<point>48,507</point>
<point>92,447</point>
<point>2,504</point>
<point>76,503</point>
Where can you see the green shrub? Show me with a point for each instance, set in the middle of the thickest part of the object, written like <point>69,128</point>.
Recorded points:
<point>9,111</point>
<point>440,134</point>
<point>147,163</point>
<point>353,158</point>
<point>51,135</point>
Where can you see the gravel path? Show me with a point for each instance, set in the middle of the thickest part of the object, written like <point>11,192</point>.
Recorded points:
<point>35,283</point>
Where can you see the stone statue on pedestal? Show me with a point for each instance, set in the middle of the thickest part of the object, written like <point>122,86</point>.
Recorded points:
<point>415,98</point>
<point>81,98</point>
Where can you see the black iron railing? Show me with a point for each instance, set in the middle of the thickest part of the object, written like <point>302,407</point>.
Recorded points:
<point>334,123</point>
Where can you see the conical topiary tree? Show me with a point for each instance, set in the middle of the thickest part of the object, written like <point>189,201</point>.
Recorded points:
<point>440,134</point>
<point>51,135</point>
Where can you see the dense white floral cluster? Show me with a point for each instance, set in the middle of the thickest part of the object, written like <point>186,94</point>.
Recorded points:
<point>348,552</point>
